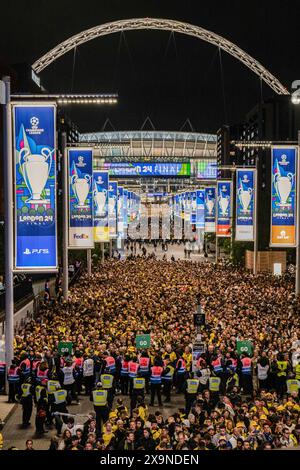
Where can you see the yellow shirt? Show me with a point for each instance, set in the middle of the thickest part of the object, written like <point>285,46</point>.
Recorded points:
<point>107,437</point>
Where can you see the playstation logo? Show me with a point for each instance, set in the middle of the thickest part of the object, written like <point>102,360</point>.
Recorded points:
<point>27,252</point>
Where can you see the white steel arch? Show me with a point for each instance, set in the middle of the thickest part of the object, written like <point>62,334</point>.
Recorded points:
<point>166,25</point>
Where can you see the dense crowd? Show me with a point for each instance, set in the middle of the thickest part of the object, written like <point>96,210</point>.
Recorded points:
<point>232,401</point>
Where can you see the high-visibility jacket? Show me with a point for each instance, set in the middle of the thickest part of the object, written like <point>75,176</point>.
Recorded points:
<point>217,365</point>
<point>181,366</point>
<point>192,385</point>
<point>13,375</point>
<point>297,371</point>
<point>107,380</point>
<point>100,397</point>
<point>111,364</point>
<point>38,391</point>
<point>169,375</point>
<point>52,385</point>
<point>282,368</point>
<point>138,383</point>
<point>144,365</point>
<point>293,385</point>
<point>35,364</point>
<point>60,396</point>
<point>233,381</point>
<point>88,368</point>
<point>133,368</point>
<point>2,368</point>
<point>68,375</point>
<point>124,368</point>
<point>246,366</point>
<point>41,375</point>
<point>156,372</point>
<point>262,372</point>
<point>232,365</point>
<point>25,372</point>
<point>26,390</point>
<point>214,384</point>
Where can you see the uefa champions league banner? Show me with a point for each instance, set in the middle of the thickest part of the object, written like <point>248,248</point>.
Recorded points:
<point>283,194</point>
<point>34,127</point>
<point>200,219</point>
<point>193,205</point>
<point>120,211</point>
<point>224,207</point>
<point>245,194</point>
<point>100,194</point>
<point>113,209</point>
<point>81,203</point>
<point>210,209</point>
<point>125,214</point>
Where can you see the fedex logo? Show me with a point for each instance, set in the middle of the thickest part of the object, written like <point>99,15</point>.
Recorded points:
<point>82,236</point>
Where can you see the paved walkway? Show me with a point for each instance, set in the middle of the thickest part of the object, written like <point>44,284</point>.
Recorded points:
<point>13,435</point>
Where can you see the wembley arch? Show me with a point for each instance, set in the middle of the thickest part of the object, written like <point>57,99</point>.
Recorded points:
<point>165,25</point>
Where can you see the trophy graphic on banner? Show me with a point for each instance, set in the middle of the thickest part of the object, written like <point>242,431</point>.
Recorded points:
<point>210,205</point>
<point>194,205</point>
<point>245,195</point>
<point>223,202</point>
<point>100,201</point>
<point>112,204</point>
<point>81,188</point>
<point>35,170</point>
<point>283,184</point>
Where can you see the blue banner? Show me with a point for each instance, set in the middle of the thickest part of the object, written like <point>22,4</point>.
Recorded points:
<point>224,207</point>
<point>245,194</point>
<point>113,209</point>
<point>210,209</point>
<point>125,215</point>
<point>200,214</point>
<point>193,204</point>
<point>283,194</point>
<point>81,203</point>
<point>100,193</point>
<point>35,187</point>
<point>120,212</point>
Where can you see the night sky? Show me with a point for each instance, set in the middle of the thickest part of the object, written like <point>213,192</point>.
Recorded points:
<point>168,77</point>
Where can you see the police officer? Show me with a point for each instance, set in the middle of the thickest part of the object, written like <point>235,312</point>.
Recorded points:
<point>59,405</point>
<point>99,399</point>
<point>25,399</point>
<point>232,381</point>
<point>124,380</point>
<point>51,387</point>
<point>281,376</point>
<point>13,378</point>
<point>214,384</point>
<point>138,391</point>
<point>191,390</point>
<point>144,368</point>
<point>292,384</point>
<point>167,378</point>
<point>107,381</point>
<point>155,381</point>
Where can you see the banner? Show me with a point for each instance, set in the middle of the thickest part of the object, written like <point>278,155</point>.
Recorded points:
<point>174,169</point>
<point>125,211</point>
<point>120,212</point>
<point>81,204</point>
<point>100,193</point>
<point>193,204</point>
<point>245,203</point>
<point>200,222</point>
<point>113,209</point>
<point>210,209</point>
<point>224,207</point>
<point>34,127</point>
<point>283,196</point>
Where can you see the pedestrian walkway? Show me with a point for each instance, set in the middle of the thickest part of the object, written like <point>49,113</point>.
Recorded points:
<point>5,408</point>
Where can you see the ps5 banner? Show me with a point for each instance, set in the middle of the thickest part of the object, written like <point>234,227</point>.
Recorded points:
<point>283,194</point>
<point>100,193</point>
<point>34,127</point>
<point>210,209</point>
<point>80,165</point>
<point>245,194</point>
<point>224,207</point>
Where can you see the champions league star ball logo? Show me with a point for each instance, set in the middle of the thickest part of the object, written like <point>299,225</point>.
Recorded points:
<point>34,121</point>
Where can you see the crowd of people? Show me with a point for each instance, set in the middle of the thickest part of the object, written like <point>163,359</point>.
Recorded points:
<point>231,400</point>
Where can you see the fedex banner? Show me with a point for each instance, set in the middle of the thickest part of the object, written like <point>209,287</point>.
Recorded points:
<point>100,194</point>
<point>80,164</point>
<point>245,203</point>
<point>283,194</point>
<point>200,220</point>
<point>210,209</point>
<point>224,206</point>
<point>113,209</point>
<point>34,131</point>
